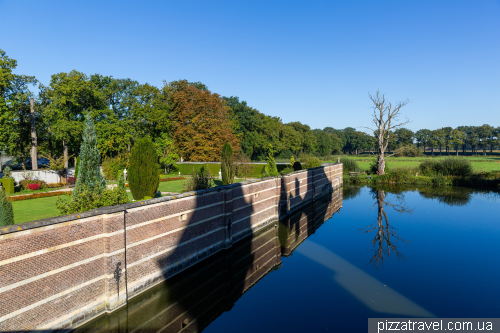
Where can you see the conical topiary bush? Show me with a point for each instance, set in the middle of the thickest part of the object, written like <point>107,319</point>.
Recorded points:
<point>89,170</point>
<point>6,212</point>
<point>143,177</point>
<point>227,165</point>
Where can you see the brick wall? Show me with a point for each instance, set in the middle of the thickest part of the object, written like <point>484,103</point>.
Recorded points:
<point>60,272</point>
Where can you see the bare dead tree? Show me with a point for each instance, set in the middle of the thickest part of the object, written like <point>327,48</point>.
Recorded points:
<point>385,119</point>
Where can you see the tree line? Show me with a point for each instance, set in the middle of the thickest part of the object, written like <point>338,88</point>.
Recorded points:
<point>185,119</point>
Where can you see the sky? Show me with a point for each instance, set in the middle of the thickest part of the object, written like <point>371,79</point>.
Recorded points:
<point>310,61</point>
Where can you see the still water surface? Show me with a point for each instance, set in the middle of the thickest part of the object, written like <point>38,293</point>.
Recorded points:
<point>387,252</point>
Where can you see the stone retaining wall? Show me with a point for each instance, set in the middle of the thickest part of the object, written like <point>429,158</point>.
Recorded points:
<point>61,272</point>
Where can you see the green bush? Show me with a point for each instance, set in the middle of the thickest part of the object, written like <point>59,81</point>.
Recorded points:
<point>312,162</point>
<point>297,166</point>
<point>349,165</point>
<point>112,167</point>
<point>6,211</point>
<point>88,199</point>
<point>227,165</point>
<point>8,185</point>
<point>447,167</point>
<point>143,176</point>
<point>200,180</point>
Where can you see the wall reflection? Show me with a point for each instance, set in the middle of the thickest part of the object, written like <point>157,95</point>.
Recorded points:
<point>192,299</point>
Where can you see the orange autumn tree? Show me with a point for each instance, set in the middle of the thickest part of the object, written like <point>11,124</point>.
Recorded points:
<point>202,124</point>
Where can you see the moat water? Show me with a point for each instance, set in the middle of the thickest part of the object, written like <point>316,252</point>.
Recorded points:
<point>388,252</point>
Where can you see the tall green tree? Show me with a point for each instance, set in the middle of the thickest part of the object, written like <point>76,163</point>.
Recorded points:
<point>15,124</point>
<point>66,101</point>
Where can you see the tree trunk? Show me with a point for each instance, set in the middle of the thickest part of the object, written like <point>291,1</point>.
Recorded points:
<point>65,153</point>
<point>34,141</point>
<point>381,164</point>
<point>456,150</point>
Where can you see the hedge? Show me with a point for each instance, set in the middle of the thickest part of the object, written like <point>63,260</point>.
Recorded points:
<point>166,179</point>
<point>8,185</point>
<point>256,170</point>
<point>37,195</point>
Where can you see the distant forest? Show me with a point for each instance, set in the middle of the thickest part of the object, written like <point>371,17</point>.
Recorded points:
<point>185,116</point>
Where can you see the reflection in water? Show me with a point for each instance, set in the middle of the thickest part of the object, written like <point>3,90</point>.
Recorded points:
<point>365,288</point>
<point>452,196</point>
<point>192,299</point>
<point>386,237</point>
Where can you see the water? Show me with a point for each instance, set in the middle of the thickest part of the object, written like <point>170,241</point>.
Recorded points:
<point>388,252</point>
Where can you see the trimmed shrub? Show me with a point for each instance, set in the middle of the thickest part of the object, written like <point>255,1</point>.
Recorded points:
<point>288,169</point>
<point>199,180</point>
<point>349,165</point>
<point>6,211</point>
<point>312,162</point>
<point>227,165</point>
<point>142,174</point>
<point>89,174</point>
<point>297,166</point>
<point>188,168</point>
<point>37,195</point>
<point>408,151</point>
<point>8,185</point>
<point>71,180</point>
<point>271,169</point>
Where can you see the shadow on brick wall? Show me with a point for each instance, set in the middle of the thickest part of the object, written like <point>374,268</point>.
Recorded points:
<point>191,299</point>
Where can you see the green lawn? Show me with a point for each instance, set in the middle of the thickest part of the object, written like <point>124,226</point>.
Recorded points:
<point>34,209</point>
<point>479,162</point>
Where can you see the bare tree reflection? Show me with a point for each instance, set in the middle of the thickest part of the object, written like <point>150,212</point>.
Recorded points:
<point>386,238</point>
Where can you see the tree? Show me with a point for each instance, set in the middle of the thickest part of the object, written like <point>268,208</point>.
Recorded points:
<point>404,137</point>
<point>423,138</point>
<point>439,137</point>
<point>456,138</point>
<point>166,152</point>
<point>15,117</point>
<point>385,118</point>
<point>89,175</point>
<point>227,165</point>
<point>202,124</point>
<point>143,169</point>
<point>66,101</point>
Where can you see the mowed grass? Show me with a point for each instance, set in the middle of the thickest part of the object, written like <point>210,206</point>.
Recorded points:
<point>479,163</point>
<point>35,209</point>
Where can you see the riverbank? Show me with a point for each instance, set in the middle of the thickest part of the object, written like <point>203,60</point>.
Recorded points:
<point>483,180</point>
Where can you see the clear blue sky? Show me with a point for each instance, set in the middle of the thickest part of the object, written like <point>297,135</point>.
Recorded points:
<point>308,61</point>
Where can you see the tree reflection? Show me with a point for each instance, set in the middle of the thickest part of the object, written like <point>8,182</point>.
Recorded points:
<point>386,238</point>
<point>452,196</point>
